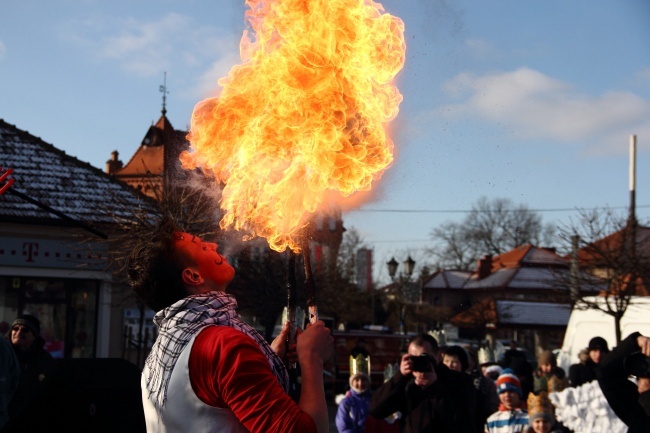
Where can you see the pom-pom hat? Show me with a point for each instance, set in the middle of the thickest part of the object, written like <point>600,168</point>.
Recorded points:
<point>508,381</point>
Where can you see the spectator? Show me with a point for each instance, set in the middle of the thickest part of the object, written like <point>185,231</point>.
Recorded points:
<point>353,410</point>
<point>584,372</point>
<point>492,371</point>
<point>455,358</point>
<point>511,416</point>
<point>488,366</point>
<point>511,354</point>
<point>548,376</point>
<point>208,370</point>
<point>524,371</point>
<point>487,401</point>
<point>429,396</point>
<point>36,365</point>
<point>630,402</point>
<point>541,417</point>
<point>9,376</point>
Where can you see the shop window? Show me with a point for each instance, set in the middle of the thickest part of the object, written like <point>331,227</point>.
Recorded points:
<point>66,308</point>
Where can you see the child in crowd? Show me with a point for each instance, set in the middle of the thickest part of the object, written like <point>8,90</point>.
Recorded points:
<point>512,416</point>
<point>541,416</point>
<point>548,376</point>
<point>354,408</point>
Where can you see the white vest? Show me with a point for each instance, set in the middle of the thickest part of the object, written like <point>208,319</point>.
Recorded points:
<point>183,411</point>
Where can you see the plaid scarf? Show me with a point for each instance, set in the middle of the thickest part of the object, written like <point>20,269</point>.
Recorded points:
<point>179,322</point>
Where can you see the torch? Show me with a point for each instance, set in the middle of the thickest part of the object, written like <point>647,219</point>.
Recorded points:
<point>292,313</point>
<point>310,288</point>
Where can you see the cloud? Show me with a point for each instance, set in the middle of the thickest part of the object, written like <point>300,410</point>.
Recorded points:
<point>480,48</point>
<point>534,106</point>
<point>206,85</point>
<point>147,47</point>
<point>643,76</point>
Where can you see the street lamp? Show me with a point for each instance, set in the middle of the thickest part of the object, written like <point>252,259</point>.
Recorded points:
<point>409,264</point>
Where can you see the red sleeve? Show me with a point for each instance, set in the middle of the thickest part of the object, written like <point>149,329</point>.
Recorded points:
<point>228,369</point>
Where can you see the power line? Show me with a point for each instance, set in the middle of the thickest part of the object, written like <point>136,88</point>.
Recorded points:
<point>576,209</point>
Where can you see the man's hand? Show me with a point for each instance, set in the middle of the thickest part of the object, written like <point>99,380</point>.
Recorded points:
<point>286,353</point>
<point>279,343</point>
<point>315,342</point>
<point>643,384</point>
<point>405,365</point>
<point>644,345</point>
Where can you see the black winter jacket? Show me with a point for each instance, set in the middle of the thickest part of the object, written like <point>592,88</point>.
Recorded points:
<point>621,394</point>
<point>449,405</point>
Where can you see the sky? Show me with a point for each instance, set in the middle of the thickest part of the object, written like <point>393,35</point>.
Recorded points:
<point>533,101</point>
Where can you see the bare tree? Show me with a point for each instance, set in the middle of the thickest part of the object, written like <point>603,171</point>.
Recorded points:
<point>339,296</point>
<point>611,255</point>
<point>261,287</point>
<point>491,227</point>
<point>346,261</point>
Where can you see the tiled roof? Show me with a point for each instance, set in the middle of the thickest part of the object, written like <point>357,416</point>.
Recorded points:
<point>613,242</point>
<point>497,279</point>
<point>443,279</point>
<point>149,158</point>
<point>52,178</point>
<point>514,313</point>
<point>532,313</point>
<point>528,255</point>
<point>525,267</point>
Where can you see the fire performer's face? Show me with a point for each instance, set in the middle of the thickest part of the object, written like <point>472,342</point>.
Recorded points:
<point>211,271</point>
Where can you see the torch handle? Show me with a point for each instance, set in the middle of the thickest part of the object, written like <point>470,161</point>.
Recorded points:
<point>309,286</point>
<point>290,308</point>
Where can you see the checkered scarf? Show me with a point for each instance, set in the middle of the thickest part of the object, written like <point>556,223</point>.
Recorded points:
<point>179,322</point>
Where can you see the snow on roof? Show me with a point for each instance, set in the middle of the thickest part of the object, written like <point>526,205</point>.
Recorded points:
<point>533,313</point>
<point>53,178</point>
<point>448,280</point>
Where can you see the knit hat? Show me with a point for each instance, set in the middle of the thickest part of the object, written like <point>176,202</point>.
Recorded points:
<point>30,322</point>
<point>539,406</point>
<point>508,381</point>
<point>598,343</point>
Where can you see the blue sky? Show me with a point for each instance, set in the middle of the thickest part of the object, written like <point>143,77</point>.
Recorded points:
<point>528,100</point>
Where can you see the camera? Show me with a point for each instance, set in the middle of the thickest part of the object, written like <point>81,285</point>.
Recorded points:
<point>422,363</point>
<point>637,364</point>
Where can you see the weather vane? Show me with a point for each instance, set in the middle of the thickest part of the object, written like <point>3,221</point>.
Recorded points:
<point>164,91</point>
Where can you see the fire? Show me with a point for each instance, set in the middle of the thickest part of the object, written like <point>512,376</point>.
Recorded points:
<point>304,117</point>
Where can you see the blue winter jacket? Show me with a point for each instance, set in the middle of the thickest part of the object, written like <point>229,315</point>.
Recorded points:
<point>353,412</point>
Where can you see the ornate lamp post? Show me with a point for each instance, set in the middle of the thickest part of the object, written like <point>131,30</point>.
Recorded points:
<point>409,265</point>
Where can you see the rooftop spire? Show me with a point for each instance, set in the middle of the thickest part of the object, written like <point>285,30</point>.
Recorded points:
<point>163,90</point>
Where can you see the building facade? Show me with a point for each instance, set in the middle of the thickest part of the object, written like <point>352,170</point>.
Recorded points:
<point>55,223</point>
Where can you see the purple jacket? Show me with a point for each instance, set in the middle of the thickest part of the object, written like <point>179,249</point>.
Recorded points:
<point>353,412</point>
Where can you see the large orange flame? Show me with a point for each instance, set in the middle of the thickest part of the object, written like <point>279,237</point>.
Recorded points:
<point>304,117</point>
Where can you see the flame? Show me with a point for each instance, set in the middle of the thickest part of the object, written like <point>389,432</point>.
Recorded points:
<point>304,117</point>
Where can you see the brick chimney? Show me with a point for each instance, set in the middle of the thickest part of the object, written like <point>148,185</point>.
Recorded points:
<point>114,164</point>
<point>484,266</point>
